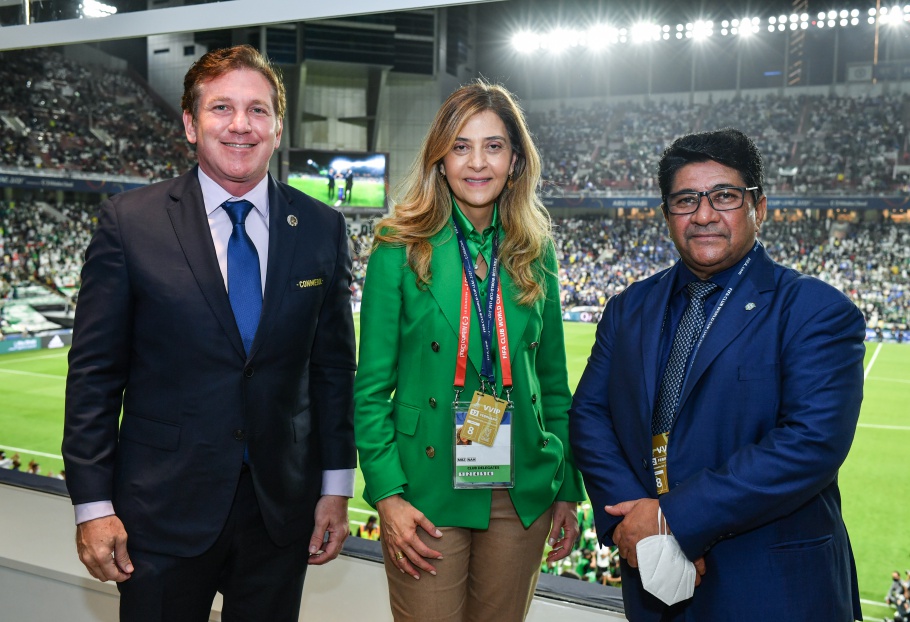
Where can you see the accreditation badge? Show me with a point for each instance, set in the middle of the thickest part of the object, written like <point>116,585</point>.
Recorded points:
<point>478,465</point>
<point>483,419</point>
<point>659,444</point>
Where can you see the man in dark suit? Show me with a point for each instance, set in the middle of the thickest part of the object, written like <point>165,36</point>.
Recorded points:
<point>736,430</point>
<point>215,311</point>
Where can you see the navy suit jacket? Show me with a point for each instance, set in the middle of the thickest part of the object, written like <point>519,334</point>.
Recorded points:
<point>766,418</point>
<point>155,335</point>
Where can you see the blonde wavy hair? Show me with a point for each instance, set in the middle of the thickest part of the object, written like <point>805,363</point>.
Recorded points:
<point>426,205</point>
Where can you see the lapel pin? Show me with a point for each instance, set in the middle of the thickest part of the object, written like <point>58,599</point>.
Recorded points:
<point>750,306</point>
<point>292,220</point>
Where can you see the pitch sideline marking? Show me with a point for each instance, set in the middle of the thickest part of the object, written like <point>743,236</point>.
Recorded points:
<point>30,452</point>
<point>872,361</point>
<point>34,374</point>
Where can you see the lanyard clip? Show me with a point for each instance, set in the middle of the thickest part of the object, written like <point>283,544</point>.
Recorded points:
<point>509,397</point>
<point>458,391</point>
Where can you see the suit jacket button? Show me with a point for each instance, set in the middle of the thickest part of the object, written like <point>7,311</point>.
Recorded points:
<point>432,402</point>
<point>238,435</point>
<point>431,451</point>
<point>546,442</point>
<point>533,345</point>
<point>248,372</point>
<point>435,346</point>
<point>534,398</point>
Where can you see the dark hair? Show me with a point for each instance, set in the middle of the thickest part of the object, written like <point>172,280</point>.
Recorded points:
<point>219,62</point>
<point>728,146</point>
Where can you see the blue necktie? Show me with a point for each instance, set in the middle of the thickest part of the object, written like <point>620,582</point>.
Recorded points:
<point>687,333</point>
<point>244,280</point>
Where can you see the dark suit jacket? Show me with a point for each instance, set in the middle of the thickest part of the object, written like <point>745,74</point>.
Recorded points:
<point>766,418</point>
<point>155,335</point>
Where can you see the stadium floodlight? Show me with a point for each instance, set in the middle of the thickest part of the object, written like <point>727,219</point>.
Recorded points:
<point>804,25</point>
<point>793,26</point>
<point>831,23</point>
<point>871,20</point>
<point>772,20</point>
<point>726,23</point>
<point>641,32</point>
<point>558,40</point>
<point>844,13</point>
<point>883,10</point>
<point>820,24</point>
<point>526,41</point>
<point>781,27</point>
<point>702,29</point>
<point>854,13</point>
<point>92,8</point>
<point>794,17</point>
<point>872,12</point>
<point>723,32</point>
<point>821,16</point>
<point>843,22</point>
<point>854,21</point>
<point>832,14</point>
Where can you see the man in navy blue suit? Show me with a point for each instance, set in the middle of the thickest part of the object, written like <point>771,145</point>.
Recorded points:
<point>735,430</point>
<point>215,312</point>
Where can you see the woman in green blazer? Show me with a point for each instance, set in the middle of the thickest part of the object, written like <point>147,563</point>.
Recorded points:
<point>477,173</point>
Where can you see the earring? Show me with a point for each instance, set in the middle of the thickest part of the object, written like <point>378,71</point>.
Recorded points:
<point>442,171</point>
<point>509,182</point>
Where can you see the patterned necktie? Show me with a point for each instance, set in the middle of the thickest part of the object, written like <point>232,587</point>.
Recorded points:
<point>244,280</point>
<point>687,333</point>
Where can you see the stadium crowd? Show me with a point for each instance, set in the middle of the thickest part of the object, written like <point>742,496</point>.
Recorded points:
<point>812,144</point>
<point>870,262</point>
<point>60,116</point>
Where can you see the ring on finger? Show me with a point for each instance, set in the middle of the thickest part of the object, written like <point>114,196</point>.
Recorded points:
<point>399,556</point>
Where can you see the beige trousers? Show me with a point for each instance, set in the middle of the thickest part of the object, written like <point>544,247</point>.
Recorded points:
<point>485,574</point>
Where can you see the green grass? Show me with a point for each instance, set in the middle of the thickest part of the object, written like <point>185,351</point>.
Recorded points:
<point>871,481</point>
<point>364,193</point>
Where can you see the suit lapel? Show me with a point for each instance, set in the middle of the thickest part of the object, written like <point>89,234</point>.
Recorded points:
<point>744,304</point>
<point>283,238</point>
<point>187,214</point>
<point>516,315</point>
<point>652,318</point>
<point>446,290</point>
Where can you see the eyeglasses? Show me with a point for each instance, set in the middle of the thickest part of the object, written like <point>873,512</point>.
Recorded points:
<point>720,199</point>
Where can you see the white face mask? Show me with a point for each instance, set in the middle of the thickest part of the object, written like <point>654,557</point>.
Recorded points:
<point>665,571</point>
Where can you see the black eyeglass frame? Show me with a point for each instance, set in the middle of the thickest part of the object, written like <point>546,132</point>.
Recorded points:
<point>707,194</point>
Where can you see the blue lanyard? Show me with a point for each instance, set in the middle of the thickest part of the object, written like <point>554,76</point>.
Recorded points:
<point>485,316</point>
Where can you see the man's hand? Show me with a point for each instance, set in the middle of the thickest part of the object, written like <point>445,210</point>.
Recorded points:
<point>399,521</point>
<point>331,519</point>
<point>101,544</point>
<point>564,532</point>
<point>640,521</point>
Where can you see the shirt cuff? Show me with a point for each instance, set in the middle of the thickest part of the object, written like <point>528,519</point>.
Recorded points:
<point>90,511</point>
<point>338,482</point>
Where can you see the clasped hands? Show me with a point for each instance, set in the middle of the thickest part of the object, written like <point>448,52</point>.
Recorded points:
<point>639,521</point>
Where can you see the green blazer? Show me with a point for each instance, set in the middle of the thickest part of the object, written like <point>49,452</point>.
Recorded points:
<point>403,390</point>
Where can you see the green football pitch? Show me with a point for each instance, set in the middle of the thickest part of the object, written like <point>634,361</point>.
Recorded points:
<point>364,193</point>
<point>874,501</point>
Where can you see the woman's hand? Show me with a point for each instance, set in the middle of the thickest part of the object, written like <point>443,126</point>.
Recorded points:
<point>564,532</point>
<point>399,521</point>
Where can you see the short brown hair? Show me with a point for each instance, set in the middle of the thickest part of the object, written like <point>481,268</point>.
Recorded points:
<point>218,62</point>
